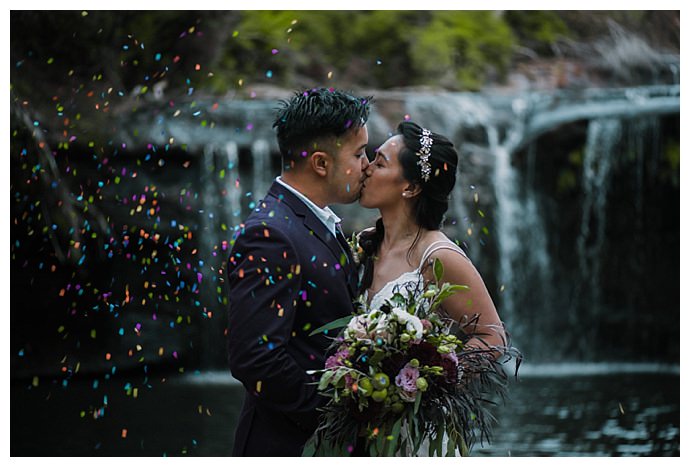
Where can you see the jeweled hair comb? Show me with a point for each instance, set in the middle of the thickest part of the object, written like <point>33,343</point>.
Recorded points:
<point>424,152</point>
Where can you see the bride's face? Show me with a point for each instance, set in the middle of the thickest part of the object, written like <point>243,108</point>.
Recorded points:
<point>385,183</point>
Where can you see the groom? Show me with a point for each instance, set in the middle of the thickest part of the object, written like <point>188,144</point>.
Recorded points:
<point>290,270</point>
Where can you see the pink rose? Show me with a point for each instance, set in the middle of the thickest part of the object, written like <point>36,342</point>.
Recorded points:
<point>407,382</point>
<point>338,358</point>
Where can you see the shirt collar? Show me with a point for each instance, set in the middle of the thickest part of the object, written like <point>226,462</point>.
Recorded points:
<point>325,215</point>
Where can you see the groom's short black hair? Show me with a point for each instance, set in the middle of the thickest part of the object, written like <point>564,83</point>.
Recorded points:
<point>311,119</point>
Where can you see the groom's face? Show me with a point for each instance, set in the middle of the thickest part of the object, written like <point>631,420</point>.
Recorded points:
<point>350,163</point>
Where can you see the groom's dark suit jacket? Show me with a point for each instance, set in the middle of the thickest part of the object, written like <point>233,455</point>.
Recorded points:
<point>288,275</point>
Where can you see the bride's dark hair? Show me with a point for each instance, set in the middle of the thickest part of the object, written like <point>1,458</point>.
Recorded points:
<point>430,205</point>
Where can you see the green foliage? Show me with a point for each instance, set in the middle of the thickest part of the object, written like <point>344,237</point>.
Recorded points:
<point>381,41</point>
<point>568,175</point>
<point>537,29</point>
<point>461,48</point>
<point>218,51</point>
<point>671,169</point>
<point>567,180</point>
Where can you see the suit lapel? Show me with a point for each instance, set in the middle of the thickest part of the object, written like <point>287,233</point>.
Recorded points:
<point>339,248</point>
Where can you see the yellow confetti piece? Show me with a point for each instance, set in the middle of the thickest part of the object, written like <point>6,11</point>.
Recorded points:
<point>34,382</point>
<point>258,386</point>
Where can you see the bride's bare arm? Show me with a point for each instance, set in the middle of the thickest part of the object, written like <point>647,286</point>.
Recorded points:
<point>472,308</point>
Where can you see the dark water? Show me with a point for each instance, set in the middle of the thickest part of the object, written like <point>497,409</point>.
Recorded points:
<point>580,413</point>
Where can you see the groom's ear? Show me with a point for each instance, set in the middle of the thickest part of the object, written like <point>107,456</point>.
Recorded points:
<point>320,162</point>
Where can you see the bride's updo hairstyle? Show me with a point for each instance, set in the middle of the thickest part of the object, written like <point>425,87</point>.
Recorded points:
<point>435,175</point>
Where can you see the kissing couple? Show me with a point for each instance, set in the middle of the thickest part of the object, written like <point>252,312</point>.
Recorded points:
<point>291,269</point>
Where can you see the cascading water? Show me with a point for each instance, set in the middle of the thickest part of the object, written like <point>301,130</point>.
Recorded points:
<point>261,168</point>
<point>526,265</point>
<point>603,136</point>
<point>232,190</point>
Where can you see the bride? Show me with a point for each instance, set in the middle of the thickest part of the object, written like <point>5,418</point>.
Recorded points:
<point>409,181</point>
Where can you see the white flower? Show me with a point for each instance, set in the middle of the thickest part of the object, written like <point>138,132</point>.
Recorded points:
<point>357,327</point>
<point>413,325</point>
<point>400,315</point>
<point>415,328</point>
<point>360,327</point>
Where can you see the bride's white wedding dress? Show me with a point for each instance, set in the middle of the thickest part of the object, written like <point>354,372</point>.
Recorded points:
<point>412,281</point>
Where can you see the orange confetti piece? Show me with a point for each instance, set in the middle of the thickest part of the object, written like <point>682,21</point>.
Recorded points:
<point>124,432</point>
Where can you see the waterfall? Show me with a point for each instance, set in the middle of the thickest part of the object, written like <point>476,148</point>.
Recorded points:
<point>209,198</point>
<point>507,216</point>
<point>232,190</point>
<point>603,136</point>
<point>261,168</point>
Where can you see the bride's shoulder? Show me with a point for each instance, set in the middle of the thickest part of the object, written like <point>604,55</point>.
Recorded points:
<point>439,246</point>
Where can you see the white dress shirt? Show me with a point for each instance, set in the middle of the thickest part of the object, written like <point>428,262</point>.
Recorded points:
<point>325,215</point>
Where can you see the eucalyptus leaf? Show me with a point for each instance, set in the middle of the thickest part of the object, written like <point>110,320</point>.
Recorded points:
<point>417,402</point>
<point>395,434</point>
<point>309,448</point>
<point>438,270</point>
<point>338,323</point>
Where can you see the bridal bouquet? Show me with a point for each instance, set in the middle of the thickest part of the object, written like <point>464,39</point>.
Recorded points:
<point>400,379</point>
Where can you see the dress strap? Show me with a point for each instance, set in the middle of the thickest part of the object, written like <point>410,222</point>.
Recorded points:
<point>440,245</point>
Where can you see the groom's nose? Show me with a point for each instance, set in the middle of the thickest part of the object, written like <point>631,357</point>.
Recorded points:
<point>365,163</point>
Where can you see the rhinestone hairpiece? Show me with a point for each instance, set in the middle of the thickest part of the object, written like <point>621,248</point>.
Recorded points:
<point>424,152</point>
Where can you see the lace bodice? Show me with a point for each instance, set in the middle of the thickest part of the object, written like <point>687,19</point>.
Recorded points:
<point>410,280</point>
